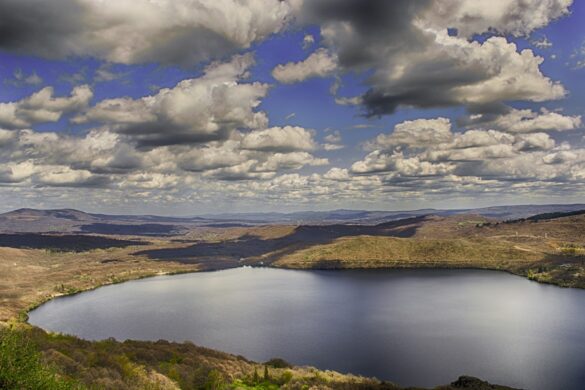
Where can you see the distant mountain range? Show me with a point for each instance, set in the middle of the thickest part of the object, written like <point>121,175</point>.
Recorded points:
<point>373,217</point>
<point>75,221</point>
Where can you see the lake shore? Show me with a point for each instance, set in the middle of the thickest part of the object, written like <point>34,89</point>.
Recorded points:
<point>391,324</point>
<point>211,365</point>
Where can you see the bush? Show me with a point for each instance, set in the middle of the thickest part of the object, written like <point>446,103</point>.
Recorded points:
<point>278,363</point>
<point>21,366</point>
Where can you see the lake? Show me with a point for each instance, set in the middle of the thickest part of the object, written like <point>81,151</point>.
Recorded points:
<point>411,327</point>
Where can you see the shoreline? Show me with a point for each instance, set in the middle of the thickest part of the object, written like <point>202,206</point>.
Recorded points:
<point>23,317</point>
<point>22,320</point>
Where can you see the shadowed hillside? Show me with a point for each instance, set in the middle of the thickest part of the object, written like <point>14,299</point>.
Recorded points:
<point>146,229</point>
<point>75,221</point>
<point>62,243</point>
<point>252,247</point>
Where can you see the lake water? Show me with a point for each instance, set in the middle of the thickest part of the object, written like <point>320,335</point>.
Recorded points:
<point>411,327</point>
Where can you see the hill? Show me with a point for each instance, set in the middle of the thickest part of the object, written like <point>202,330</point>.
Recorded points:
<point>75,221</point>
<point>551,250</point>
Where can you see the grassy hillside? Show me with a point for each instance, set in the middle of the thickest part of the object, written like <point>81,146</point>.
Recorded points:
<point>29,277</point>
<point>369,251</point>
<point>560,263</point>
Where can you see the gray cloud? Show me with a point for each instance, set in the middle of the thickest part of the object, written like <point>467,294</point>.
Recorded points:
<point>135,31</point>
<point>415,62</point>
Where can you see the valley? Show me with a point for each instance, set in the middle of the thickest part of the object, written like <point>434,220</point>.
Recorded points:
<point>65,259</point>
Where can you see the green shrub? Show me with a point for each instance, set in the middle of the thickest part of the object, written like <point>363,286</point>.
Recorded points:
<point>286,377</point>
<point>21,367</point>
<point>215,381</point>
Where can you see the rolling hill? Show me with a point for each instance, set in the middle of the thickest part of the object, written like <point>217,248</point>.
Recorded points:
<point>75,221</point>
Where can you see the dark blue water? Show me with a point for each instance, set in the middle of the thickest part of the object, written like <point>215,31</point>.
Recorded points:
<point>412,327</point>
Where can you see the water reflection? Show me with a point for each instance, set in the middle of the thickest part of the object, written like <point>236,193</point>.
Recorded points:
<point>413,327</point>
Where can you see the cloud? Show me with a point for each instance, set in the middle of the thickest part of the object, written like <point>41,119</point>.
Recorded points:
<point>197,110</point>
<point>459,72</point>
<point>476,159</point>
<point>240,172</point>
<point>396,162</point>
<point>286,161</point>
<point>542,43</point>
<point>280,139</point>
<point>331,147</point>
<point>105,74</point>
<point>308,41</point>
<point>321,63</point>
<point>27,172</point>
<point>578,57</point>
<point>16,172</point>
<point>212,156</point>
<point>20,78</point>
<point>63,176</point>
<point>182,32</point>
<point>42,106</point>
<point>98,151</point>
<point>337,174</point>
<point>334,137</point>
<point>207,141</point>
<point>7,137</point>
<point>526,121</point>
<point>104,159</point>
<point>418,133</point>
<point>414,61</point>
<point>535,141</point>
<point>518,18</point>
<point>203,130</point>
<point>333,141</point>
<point>231,162</point>
<point>363,126</point>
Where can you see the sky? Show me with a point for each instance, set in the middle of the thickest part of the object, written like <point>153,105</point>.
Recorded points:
<point>187,107</point>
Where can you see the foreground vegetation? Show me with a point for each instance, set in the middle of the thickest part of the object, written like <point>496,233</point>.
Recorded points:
<point>21,365</point>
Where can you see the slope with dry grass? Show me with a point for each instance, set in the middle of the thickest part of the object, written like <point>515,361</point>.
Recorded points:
<point>549,251</point>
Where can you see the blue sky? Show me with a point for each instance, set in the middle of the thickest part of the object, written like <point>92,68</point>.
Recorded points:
<point>174,108</point>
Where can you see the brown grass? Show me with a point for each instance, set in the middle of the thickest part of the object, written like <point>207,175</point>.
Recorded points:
<point>29,277</point>
<point>369,251</point>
